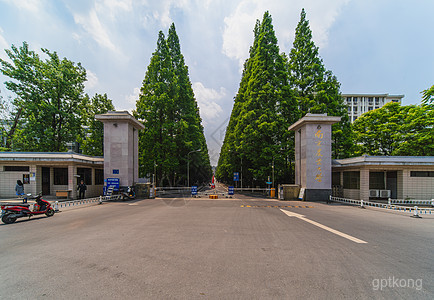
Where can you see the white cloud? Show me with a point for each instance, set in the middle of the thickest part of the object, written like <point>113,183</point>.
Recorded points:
<point>238,31</point>
<point>92,79</point>
<point>92,25</point>
<point>160,11</point>
<point>111,8</point>
<point>209,109</point>
<point>132,98</point>
<point>3,45</point>
<point>30,5</point>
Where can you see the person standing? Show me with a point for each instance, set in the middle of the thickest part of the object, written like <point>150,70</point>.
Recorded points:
<point>19,188</point>
<point>81,189</point>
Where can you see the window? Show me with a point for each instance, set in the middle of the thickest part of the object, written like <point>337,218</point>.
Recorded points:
<point>85,174</point>
<point>352,180</point>
<point>336,178</point>
<point>60,176</point>
<point>354,118</point>
<point>99,176</point>
<point>16,169</point>
<point>376,181</point>
<point>355,100</point>
<point>370,108</point>
<point>370,100</point>
<point>355,108</point>
<point>422,174</point>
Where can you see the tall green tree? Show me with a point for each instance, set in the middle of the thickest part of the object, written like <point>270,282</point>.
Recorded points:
<point>170,114</point>
<point>49,93</point>
<point>428,95</point>
<point>257,137</point>
<point>155,109</point>
<point>92,139</point>
<point>188,123</point>
<point>395,130</point>
<point>317,90</point>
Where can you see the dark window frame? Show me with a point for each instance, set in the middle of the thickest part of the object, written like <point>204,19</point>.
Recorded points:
<point>99,177</point>
<point>422,174</point>
<point>85,174</point>
<point>351,180</point>
<point>16,169</point>
<point>60,176</point>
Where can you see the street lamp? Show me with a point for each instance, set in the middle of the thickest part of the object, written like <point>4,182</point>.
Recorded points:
<point>188,166</point>
<point>155,173</point>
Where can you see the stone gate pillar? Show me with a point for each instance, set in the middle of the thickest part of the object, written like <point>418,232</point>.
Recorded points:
<point>121,146</point>
<point>313,160</point>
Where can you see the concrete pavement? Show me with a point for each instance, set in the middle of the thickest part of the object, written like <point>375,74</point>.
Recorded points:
<point>243,248</point>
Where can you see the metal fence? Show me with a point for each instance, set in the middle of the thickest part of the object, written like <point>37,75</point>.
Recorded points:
<point>412,201</point>
<point>415,209</point>
<point>70,203</point>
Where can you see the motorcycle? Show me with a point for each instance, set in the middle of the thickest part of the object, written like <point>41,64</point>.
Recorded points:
<point>10,213</point>
<point>129,194</point>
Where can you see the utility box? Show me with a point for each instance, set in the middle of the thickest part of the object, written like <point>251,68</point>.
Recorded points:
<point>143,190</point>
<point>289,191</point>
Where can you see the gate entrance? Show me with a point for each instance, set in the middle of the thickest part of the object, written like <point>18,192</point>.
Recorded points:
<point>313,161</point>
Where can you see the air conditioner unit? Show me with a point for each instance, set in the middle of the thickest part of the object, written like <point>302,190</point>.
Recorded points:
<point>374,193</point>
<point>384,193</point>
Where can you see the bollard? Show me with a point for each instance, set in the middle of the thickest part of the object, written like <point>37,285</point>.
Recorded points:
<point>389,202</point>
<point>100,200</point>
<point>56,206</point>
<point>432,202</point>
<point>416,213</point>
<point>361,204</point>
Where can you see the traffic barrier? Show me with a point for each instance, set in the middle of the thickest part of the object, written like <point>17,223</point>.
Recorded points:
<point>98,200</point>
<point>417,211</point>
<point>412,201</point>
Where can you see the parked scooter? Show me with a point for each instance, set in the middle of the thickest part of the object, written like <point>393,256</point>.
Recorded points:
<point>10,213</point>
<point>129,194</point>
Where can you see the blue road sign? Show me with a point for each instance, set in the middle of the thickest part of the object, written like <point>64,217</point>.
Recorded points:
<point>236,176</point>
<point>230,190</point>
<point>194,190</point>
<point>114,182</point>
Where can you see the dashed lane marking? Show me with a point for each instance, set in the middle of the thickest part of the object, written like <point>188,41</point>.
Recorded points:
<point>278,206</point>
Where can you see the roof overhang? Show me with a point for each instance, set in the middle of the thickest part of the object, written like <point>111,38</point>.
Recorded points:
<point>53,157</point>
<point>383,161</point>
<point>314,119</point>
<point>120,116</point>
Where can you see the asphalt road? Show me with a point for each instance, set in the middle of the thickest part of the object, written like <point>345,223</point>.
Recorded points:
<point>242,248</point>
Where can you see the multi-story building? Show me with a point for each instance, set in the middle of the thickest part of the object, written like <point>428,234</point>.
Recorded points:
<point>358,104</point>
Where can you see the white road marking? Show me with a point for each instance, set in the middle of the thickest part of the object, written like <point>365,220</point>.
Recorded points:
<point>133,204</point>
<point>301,217</point>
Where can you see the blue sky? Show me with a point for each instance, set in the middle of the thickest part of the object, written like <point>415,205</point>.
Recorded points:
<point>372,46</point>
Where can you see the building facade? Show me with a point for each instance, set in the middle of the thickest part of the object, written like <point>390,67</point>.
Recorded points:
<point>383,177</point>
<point>50,173</point>
<point>358,104</point>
